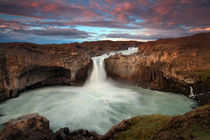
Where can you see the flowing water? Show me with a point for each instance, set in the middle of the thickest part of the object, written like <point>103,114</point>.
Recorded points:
<point>98,105</point>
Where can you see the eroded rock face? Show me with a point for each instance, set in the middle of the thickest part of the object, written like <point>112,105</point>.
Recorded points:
<point>169,65</point>
<point>25,66</point>
<point>27,127</point>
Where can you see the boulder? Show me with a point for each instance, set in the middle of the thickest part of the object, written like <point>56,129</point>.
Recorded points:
<point>27,127</point>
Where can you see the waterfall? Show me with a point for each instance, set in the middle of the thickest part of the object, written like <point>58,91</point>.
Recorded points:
<point>98,78</point>
<point>98,75</point>
<point>191,92</point>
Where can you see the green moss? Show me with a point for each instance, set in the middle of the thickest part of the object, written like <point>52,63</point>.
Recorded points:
<point>144,127</point>
<point>202,133</point>
<point>3,53</point>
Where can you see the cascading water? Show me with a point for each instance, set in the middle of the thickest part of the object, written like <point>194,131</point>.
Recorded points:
<point>98,76</point>
<point>97,106</point>
<point>191,93</point>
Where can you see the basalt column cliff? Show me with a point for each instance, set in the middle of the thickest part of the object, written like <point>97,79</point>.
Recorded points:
<point>179,65</point>
<point>25,66</point>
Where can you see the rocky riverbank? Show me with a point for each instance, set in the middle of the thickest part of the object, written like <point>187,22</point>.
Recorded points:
<point>25,66</point>
<point>192,125</point>
<point>179,65</point>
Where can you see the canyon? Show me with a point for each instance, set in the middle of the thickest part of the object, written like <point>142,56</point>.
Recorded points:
<point>25,65</point>
<point>178,65</point>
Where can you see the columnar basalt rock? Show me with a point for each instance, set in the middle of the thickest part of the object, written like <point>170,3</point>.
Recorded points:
<point>168,64</point>
<point>25,66</point>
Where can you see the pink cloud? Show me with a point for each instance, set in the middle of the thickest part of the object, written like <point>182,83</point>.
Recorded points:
<point>51,8</point>
<point>34,4</point>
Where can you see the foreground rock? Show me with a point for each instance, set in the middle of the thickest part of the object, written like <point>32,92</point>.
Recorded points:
<point>28,127</point>
<point>179,65</point>
<point>192,125</point>
<point>65,134</point>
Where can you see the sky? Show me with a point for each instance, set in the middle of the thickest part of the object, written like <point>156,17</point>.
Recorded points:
<point>66,21</point>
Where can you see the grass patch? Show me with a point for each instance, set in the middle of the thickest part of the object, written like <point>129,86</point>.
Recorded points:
<point>203,75</point>
<point>193,125</point>
<point>144,127</point>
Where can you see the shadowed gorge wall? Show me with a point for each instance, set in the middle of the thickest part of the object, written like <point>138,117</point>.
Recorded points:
<point>26,66</point>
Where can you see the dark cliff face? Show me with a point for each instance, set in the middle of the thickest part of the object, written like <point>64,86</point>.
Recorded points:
<point>179,65</point>
<point>25,66</point>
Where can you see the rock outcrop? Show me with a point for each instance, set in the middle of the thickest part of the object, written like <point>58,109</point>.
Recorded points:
<point>26,66</point>
<point>27,127</point>
<point>65,134</point>
<point>179,65</point>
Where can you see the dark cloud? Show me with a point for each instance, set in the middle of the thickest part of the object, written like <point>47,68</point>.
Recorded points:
<point>56,32</point>
<point>145,36</point>
<point>14,26</point>
<point>42,36</point>
<point>39,9</point>
<point>139,37</point>
<point>129,36</point>
<point>102,23</point>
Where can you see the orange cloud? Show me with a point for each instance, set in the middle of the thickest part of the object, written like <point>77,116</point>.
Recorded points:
<point>3,26</point>
<point>200,29</point>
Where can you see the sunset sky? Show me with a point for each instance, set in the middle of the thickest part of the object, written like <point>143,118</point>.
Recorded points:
<point>65,21</point>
